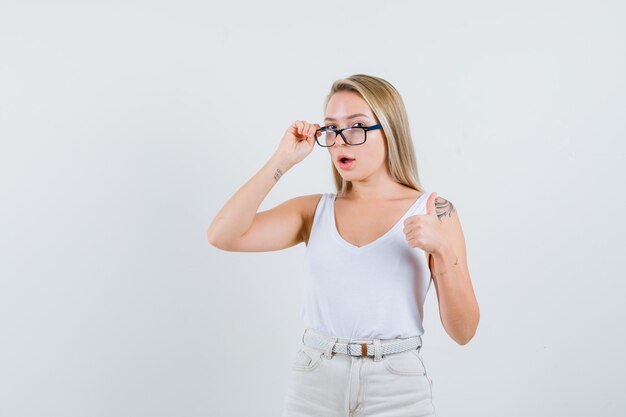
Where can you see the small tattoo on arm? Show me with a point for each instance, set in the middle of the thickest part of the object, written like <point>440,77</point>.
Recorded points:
<point>443,207</point>
<point>277,174</point>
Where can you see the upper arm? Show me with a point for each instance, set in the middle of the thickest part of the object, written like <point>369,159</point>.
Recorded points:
<point>451,223</point>
<point>274,229</point>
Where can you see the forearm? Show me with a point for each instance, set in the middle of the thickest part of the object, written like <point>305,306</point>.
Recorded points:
<point>237,215</point>
<point>457,302</point>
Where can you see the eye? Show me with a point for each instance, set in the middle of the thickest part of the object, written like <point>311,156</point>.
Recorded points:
<point>354,124</point>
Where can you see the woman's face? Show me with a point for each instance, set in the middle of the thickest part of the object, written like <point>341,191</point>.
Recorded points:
<point>370,156</point>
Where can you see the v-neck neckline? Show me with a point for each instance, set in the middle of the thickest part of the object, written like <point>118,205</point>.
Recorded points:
<point>386,235</point>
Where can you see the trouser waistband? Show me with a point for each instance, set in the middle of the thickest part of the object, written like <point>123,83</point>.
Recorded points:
<point>358,347</point>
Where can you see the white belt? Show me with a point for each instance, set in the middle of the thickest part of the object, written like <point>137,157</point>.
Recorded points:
<point>318,341</point>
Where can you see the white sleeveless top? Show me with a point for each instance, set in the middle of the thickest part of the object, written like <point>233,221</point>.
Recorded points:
<point>373,291</point>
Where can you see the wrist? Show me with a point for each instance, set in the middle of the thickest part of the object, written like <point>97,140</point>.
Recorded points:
<point>444,252</point>
<point>445,261</point>
<point>281,162</point>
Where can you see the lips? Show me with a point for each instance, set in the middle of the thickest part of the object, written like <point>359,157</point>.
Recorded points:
<point>345,162</point>
<point>344,158</point>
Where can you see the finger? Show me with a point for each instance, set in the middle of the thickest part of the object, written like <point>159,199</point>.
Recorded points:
<point>311,128</point>
<point>314,127</point>
<point>296,125</point>
<point>299,126</point>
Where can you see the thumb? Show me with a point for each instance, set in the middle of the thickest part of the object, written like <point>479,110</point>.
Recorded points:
<point>430,203</point>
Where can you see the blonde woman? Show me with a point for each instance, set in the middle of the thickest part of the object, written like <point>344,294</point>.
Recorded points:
<point>372,249</point>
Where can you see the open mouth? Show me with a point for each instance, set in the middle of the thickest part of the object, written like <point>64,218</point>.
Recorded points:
<point>345,161</point>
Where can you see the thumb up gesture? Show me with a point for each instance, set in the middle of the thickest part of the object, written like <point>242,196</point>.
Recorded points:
<point>425,231</point>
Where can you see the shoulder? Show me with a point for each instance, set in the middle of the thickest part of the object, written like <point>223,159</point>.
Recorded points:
<point>445,209</point>
<point>447,213</point>
<point>450,222</point>
<point>306,204</point>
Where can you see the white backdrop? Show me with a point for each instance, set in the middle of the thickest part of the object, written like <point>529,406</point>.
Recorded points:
<point>126,125</point>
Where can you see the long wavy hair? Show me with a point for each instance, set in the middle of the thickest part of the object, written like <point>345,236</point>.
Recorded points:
<point>388,107</point>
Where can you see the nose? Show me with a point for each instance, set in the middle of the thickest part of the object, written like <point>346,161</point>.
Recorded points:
<point>339,146</point>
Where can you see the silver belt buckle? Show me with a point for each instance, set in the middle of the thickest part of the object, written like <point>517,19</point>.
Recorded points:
<point>363,352</point>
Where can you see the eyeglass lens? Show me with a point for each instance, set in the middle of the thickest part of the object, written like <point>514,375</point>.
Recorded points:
<point>354,136</point>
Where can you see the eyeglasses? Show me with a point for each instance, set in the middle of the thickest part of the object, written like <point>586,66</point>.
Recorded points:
<point>355,135</point>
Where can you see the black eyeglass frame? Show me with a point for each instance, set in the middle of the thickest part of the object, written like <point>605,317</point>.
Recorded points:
<point>340,132</point>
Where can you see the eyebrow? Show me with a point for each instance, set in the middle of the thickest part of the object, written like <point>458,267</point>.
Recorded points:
<point>349,117</point>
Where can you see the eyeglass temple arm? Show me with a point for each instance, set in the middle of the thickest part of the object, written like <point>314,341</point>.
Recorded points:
<point>377,126</point>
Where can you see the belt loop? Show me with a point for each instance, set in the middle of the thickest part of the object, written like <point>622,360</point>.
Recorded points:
<point>377,350</point>
<point>329,349</point>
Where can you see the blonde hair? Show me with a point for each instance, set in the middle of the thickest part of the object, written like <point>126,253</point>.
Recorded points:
<point>388,107</point>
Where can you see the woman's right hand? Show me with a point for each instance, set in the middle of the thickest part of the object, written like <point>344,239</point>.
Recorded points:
<point>298,141</point>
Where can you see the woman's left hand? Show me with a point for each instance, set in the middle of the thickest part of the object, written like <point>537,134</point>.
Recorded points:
<point>425,231</point>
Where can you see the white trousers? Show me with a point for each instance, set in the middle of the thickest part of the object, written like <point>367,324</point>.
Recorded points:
<point>354,386</point>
